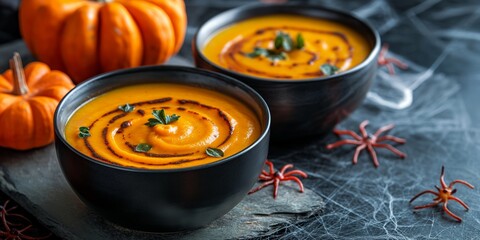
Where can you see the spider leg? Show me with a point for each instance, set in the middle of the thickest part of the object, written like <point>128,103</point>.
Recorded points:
<point>362,128</point>
<point>383,129</point>
<point>24,229</point>
<point>442,178</point>
<point>261,186</point>
<point>424,192</point>
<point>4,221</point>
<point>397,63</point>
<point>391,138</point>
<point>383,51</point>
<point>445,208</point>
<point>23,236</point>
<point>265,178</point>
<point>357,152</point>
<point>284,168</point>
<point>343,142</point>
<point>435,203</point>
<point>348,132</point>
<point>391,69</point>
<point>391,148</point>
<point>4,207</point>
<point>17,216</point>
<point>373,154</point>
<point>10,209</point>
<point>459,201</point>
<point>270,166</point>
<point>275,187</point>
<point>461,182</point>
<point>295,179</point>
<point>296,172</point>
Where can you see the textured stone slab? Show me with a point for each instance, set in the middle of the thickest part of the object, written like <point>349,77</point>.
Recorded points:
<point>35,181</point>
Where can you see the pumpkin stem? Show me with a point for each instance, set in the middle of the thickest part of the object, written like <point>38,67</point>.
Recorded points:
<point>104,1</point>
<point>19,84</point>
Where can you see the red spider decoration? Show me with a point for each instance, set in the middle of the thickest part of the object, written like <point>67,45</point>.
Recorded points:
<point>369,141</point>
<point>444,194</point>
<point>275,177</point>
<point>389,62</point>
<point>10,230</point>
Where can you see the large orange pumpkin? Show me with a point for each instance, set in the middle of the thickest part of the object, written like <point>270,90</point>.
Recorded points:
<point>27,103</point>
<point>84,38</point>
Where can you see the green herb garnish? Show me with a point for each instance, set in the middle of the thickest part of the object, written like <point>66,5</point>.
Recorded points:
<point>329,69</point>
<point>142,147</point>
<point>126,108</point>
<point>300,41</point>
<point>161,118</point>
<point>84,132</point>
<point>283,41</point>
<point>270,54</point>
<point>214,152</point>
<point>257,52</point>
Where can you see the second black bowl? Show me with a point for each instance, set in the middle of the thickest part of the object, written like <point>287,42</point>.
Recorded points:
<point>300,108</point>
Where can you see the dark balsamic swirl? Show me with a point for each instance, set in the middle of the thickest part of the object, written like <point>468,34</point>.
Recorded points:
<point>121,124</point>
<point>234,53</point>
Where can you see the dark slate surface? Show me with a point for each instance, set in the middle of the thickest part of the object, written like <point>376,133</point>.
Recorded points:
<point>435,107</point>
<point>34,179</point>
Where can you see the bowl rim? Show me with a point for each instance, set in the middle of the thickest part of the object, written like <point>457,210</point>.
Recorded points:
<point>205,73</point>
<point>292,9</point>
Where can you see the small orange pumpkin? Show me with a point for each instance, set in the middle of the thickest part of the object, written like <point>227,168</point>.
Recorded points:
<point>84,38</point>
<point>28,100</point>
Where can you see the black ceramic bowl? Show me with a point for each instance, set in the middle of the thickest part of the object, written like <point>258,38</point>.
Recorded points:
<point>307,107</point>
<point>162,200</point>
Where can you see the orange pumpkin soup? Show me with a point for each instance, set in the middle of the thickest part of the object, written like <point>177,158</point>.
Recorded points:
<point>163,126</point>
<point>287,47</point>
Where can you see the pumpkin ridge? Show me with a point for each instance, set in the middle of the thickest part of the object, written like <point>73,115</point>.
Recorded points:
<point>120,42</point>
<point>80,40</point>
<point>55,93</point>
<point>49,18</point>
<point>34,72</point>
<point>156,30</point>
<point>6,100</point>
<point>5,85</point>
<point>53,78</point>
<point>18,122</point>
<point>175,10</point>
<point>42,109</point>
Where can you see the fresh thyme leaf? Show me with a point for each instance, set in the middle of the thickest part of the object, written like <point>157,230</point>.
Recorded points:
<point>152,122</point>
<point>126,108</point>
<point>300,41</point>
<point>257,52</point>
<point>275,56</point>
<point>270,54</point>
<point>161,118</point>
<point>278,42</point>
<point>287,43</point>
<point>329,69</point>
<point>143,147</point>
<point>84,132</point>
<point>283,41</point>
<point>214,152</point>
